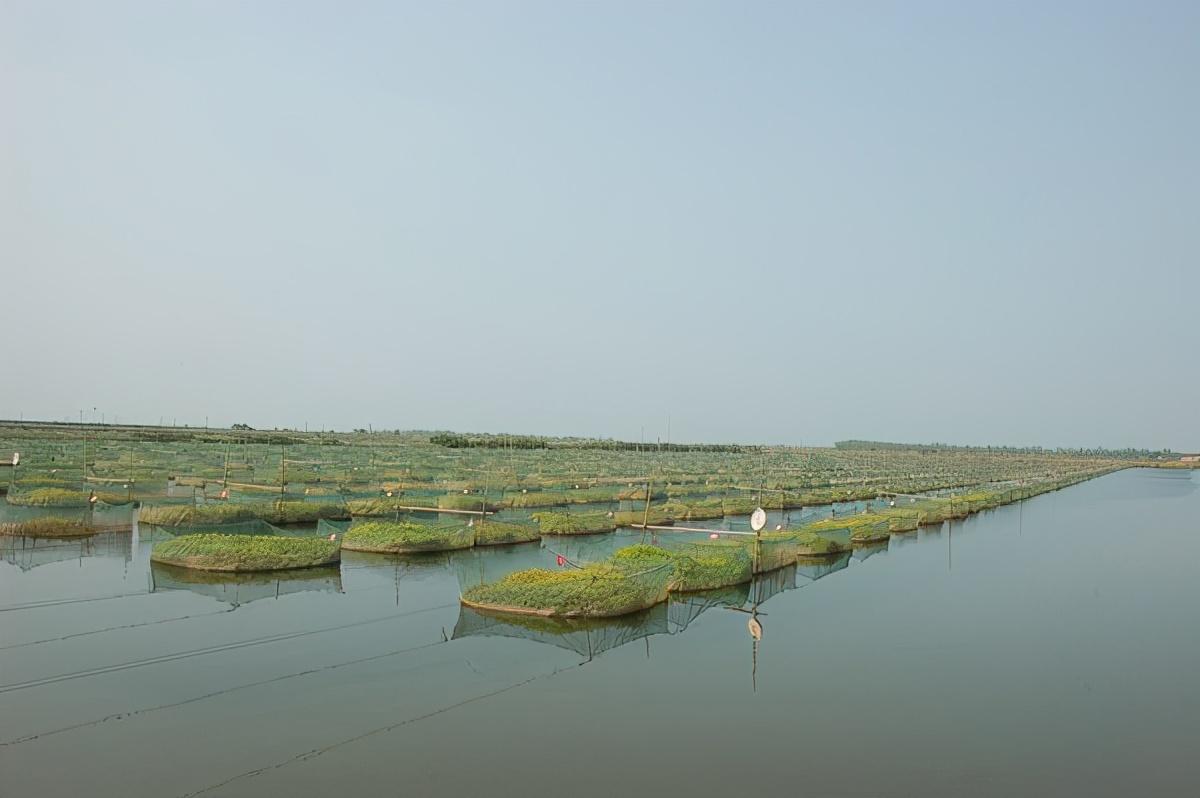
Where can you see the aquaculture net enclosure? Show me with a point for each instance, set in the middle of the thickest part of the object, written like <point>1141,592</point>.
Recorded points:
<point>406,537</point>
<point>708,565</point>
<point>497,533</point>
<point>617,586</point>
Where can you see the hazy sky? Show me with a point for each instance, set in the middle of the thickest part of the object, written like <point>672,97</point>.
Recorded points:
<point>783,222</point>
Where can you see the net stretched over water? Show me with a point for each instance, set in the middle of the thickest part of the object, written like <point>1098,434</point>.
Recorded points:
<point>254,527</point>
<point>774,550</point>
<point>237,589</point>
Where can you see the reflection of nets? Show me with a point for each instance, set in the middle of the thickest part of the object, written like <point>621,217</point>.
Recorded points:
<point>769,585</point>
<point>683,609</point>
<point>28,553</point>
<point>243,588</point>
<point>585,636</point>
<point>704,566</point>
<point>813,570</point>
<point>866,552</point>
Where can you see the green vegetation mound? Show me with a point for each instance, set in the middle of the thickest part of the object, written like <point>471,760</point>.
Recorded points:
<point>552,523</point>
<point>276,512</point>
<point>388,505</point>
<point>214,552</point>
<point>863,528</point>
<point>405,537</point>
<point>51,497</point>
<point>496,533</point>
<point>632,579</point>
<point>46,528</point>
<point>706,566</point>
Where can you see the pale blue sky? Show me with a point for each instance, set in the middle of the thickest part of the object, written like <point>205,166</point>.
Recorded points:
<point>783,222</point>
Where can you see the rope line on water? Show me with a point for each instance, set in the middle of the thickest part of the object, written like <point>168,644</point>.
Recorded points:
<point>198,652</point>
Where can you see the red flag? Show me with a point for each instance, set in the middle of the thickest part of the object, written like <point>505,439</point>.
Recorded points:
<point>561,560</point>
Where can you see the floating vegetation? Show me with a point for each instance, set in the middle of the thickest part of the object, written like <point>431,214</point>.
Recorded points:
<point>47,528</point>
<point>281,511</point>
<point>237,553</point>
<point>631,580</point>
<point>552,523</point>
<point>495,533</point>
<point>406,537</point>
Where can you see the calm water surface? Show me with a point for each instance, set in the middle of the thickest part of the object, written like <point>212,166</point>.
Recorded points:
<point>1046,648</point>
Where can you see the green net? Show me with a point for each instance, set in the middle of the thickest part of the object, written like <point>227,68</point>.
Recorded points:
<point>709,565</point>
<point>253,527</point>
<point>774,550</point>
<point>327,527</point>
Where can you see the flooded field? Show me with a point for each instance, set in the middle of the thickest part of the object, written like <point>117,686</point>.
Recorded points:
<point>1044,647</point>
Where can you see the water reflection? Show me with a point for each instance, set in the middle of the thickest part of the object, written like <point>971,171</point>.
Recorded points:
<point>587,637</point>
<point>238,589</point>
<point>861,553</point>
<point>27,553</point>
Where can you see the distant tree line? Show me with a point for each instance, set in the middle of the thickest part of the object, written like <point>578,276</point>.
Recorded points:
<point>455,440</point>
<point>1116,454</point>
